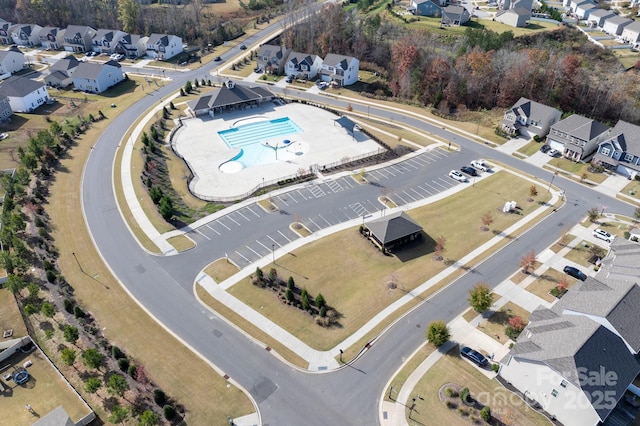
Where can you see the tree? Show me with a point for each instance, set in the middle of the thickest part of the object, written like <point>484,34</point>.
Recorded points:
<point>291,284</point>
<point>487,220</point>
<point>320,302</point>
<point>169,412</point>
<point>30,309</point>
<point>15,283</point>
<point>485,414</point>
<point>438,333</point>
<point>188,87</point>
<point>118,414</point>
<point>593,214</point>
<point>439,249</point>
<point>528,262</point>
<point>636,214</point>
<point>128,14</point>
<point>533,192</point>
<point>71,334</point>
<point>92,384</point>
<point>564,237</point>
<point>68,356</point>
<point>166,208</point>
<point>517,323</point>
<point>92,358</point>
<point>304,299</point>
<point>47,309</point>
<point>117,385</point>
<point>480,297</point>
<point>148,418</point>
<point>289,295</point>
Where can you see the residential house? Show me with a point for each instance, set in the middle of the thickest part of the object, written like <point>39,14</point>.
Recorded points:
<point>514,17</point>
<point>5,108</point>
<point>303,65</point>
<point>96,78</point>
<point>620,150</point>
<point>623,261</point>
<point>339,69</point>
<point>26,34</point>
<point>631,33</point>
<point>572,365</point>
<point>78,38</point>
<point>522,4</point>
<point>229,96</point>
<point>61,72</point>
<point>51,38</point>
<point>132,46</point>
<point>163,46</point>
<point>529,118</point>
<point>576,137</point>
<point>583,9</point>
<point>11,61</point>
<point>271,58</point>
<point>597,17</point>
<point>615,25</point>
<point>25,95</point>
<point>105,41</point>
<point>431,8</point>
<point>5,34</point>
<point>455,15</point>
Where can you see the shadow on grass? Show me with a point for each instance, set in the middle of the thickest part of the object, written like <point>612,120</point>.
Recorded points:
<point>416,249</point>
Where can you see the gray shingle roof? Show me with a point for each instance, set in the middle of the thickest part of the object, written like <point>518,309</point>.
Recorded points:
<point>65,64</point>
<point>618,20</point>
<point>301,58</point>
<point>224,96</point>
<point>90,70</point>
<point>533,110</point>
<point>392,227</point>
<point>580,127</point>
<point>601,13</point>
<point>19,87</point>
<point>633,27</point>
<point>630,140</point>
<point>337,61</point>
<point>79,30</point>
<point>272,51</point>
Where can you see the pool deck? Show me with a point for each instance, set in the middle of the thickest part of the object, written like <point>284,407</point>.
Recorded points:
<point>322,141</point>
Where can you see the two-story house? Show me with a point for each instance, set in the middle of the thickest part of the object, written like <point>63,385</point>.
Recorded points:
<point>615,25</point>
<point>163,46</point>
<point>431,8</point>
<point>631,33</point>
<point>25,34</point>
<point>51,38</point>
<point>455,15</point>
<point>584,8</point>
<point>597,17</point>
<point>11,61</point>
<point>303,65</point>
<point>24,94</point>
<point>5,109</point>
<point>132,46</point>
<point>105,41</point>
<point>339,69</point>
<point>78,38</point>
<point>5,34</point>
<point>61,72</point>
<point>96,78</point>
<point>271,58</point>
<point>529,118</point>
<point>576,137</point>
<point>620,149</point>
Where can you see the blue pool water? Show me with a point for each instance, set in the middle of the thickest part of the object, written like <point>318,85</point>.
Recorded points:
<point>250,138</point>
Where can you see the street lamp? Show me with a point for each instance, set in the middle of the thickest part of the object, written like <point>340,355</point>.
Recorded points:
<point>341,352</point>
<point>552,178</point>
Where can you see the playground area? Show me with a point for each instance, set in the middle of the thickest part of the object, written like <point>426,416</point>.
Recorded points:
<point>237,152</point>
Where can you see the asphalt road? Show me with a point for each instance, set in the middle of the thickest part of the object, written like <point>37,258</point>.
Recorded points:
<point>284,395</point>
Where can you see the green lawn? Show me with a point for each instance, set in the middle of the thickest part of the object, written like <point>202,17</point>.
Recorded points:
<point>632,189</point>
<point>361,290</point>
<point>548,280</point>
<point>495,325</point>
<point>530,148</point>
<point>580,254</point>
<point>577,169</point>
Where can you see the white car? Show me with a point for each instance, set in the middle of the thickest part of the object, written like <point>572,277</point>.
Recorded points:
<point>480,165</point>
<point>3,136</point>
<point>553,152</point>
<point>457,176</point>
<point>603,235</point>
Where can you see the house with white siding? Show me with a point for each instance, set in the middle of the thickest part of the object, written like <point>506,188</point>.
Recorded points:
<point>106,41</point>
<point>24,94</point>
<point>96,78</point>
<point>339,69</point>
<point>529,118</point>
<point>615,25</point>
<point>597,17</point>
<point>576,137</point>
<point>620,150</point>
<point>51,38</point>
<point>26,34</point>
<point>163,46</point>
<point>303,65</point>
<point>11,61</point>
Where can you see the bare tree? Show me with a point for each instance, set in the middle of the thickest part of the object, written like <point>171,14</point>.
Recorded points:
<point>528,262</point>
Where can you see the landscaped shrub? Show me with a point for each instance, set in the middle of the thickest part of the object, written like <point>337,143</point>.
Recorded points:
<point>450,392</point>
<point>485,413</point>
<point>68,305</point>
<point>169,412</point>
<point>131,371</point>
<point>291,284</point>
<point>451,405</point>
<point>51,276</point>
<point>159,397</point>
<point>123,364</point>
<point>323,312</point>
<point>465,395</point>
<point>78,312</point>
<point>117,353</point>
<point>495,367</point>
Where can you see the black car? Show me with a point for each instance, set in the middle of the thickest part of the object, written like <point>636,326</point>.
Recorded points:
<point>217,59</point>
<point>545,148</point>
<point>469,170</point>
<point>257,70</point>
<point>474,356</point>
<point>575,273</point>
<point>243,47</point>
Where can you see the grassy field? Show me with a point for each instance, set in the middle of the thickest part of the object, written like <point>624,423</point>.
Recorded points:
<point>578,169</point>
<point>451,368</point>
<point>495,325</point>
<point>10,317</point>
<point>530,148</point>
<point>368,273</point>
<point>103,296</point>
<point>632,189</point>
<point>519,276</point>
<point>547,281</point>
<point>220,270</point>
<point>556,247</point>
<point>580,253</point>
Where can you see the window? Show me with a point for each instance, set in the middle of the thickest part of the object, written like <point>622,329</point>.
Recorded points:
<point>628,157</point>
<point>564,383</point>
<point>554,393</point>
<point>605,151</point>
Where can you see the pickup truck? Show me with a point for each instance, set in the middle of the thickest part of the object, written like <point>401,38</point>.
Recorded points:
<point>481,165</point>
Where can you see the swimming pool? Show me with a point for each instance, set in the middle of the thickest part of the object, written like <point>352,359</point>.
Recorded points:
<point>251,138</point>
<point>254,133</point>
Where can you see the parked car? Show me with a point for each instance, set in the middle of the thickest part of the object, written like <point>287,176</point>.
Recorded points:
<point>289,79</point>
<point>481,165</point>
<point>323,85</point>
<point>575,273</point>
<point>3,136</point>
<point>474,356</point>
<point>457,176</point>
<point>243,47</point>
<point>553,152</point>
<point>257,70</point>
<point>469,170</point>
<point>545,148</point>
<point>603,235</point>
<point>217,59</point>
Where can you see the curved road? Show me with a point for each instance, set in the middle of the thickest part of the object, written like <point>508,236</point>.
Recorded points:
<point>284,395</point>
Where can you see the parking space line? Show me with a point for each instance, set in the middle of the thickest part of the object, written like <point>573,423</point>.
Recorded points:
<point>251,210</point>
<point>408,195</point>
<point>268,248</point>
<point>320,216</point>
<point>199,232</point>
<point>398,169</point>
<point>346,182</point>
<point>207,225</point>
<point>428,193</point>
<point>409,163</point>
<point>283,201</point>
<point>239,254</point>
<point>245,218</point>
<point>301,194</point>
<point>232,219</point>
<point>316,225</point>
<point>257,254</point>
<point>276,243</point>
<point>280,232</point>
<point>419,194</point>
<point>444,186</point>
<point>403,200</point>
<point>218,221</point>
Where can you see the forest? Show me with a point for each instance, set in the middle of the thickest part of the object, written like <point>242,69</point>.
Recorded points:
<point>478,70</point>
